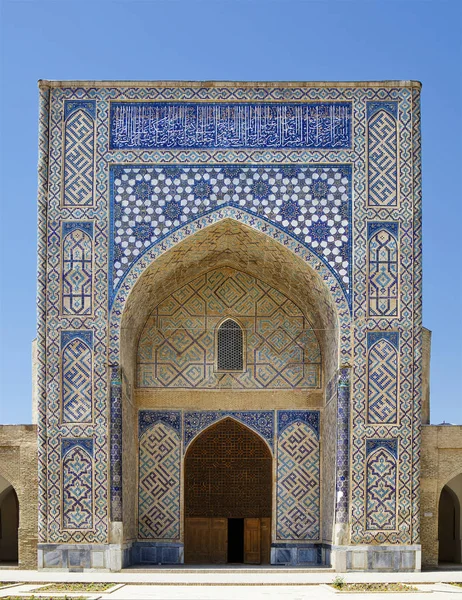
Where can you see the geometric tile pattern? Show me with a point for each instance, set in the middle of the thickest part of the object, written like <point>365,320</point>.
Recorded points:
<point>77,282</point>
<point>77,381</point>
<point>159,483</point>
<point>382,154</point>
<point>79,155</point>
<point>52,318</point>
<point>383,269</point>
<point>343,446</point>
<point>407,321</point>
<point>298,485</point>
<point>77,484</point>
<point>116,444</point>
<point>148,418</point>
<point>177,345</point>
<point>382,377</point>
<point>381,488</point>
<point>261,421</point>
<point>311,202</point>
<point>287,417</point>
<point>142,125</point>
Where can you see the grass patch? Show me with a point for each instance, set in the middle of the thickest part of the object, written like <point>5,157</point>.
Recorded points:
<point>3,583</point>
<point>457,583</point>
<point>342,586</point>
<point>87,588</point>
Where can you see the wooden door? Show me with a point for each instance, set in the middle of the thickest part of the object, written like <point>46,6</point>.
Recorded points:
<point>265,540</point>
<point>252,541</point>
<point>197,541</point>
<point>219,541</point>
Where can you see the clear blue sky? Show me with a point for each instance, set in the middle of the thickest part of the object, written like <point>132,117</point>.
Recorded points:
<point>233,40</point>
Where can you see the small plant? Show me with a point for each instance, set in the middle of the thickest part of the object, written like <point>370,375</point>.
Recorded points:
<point>338,582</point>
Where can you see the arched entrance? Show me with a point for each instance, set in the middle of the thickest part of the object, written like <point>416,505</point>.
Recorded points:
<point>449,525</point>
<point>228,481</point>
<point>9,522</point>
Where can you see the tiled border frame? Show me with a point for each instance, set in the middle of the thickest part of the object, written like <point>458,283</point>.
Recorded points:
<point>50,213</point>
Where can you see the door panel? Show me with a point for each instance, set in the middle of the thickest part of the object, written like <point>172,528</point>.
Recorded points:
<point>197,541</point>
<point>252,541</point>
<point>265,540</point>
<point>219,541</point>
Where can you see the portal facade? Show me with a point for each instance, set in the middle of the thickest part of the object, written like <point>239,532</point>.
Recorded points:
<point>229,343</point>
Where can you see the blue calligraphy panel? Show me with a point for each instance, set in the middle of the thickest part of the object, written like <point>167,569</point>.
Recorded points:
<point>145,125</point>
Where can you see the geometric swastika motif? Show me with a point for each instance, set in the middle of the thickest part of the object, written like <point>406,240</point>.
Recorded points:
<point>382,163</point>
<point>298,490</point>
<point>381,491</point>
<point>159,483</point>
<point>383,274</point>
<point>382,363</point>
<point>78,162</point>
<point>77,382</point>
<point>77,273</point>
<point>78,489</point>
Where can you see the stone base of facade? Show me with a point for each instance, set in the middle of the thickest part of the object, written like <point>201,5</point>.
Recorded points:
<point>309,555</point>
<point>156,553</point>
<point>376,558</point>
<point>114,557</point>
<point>78,558</point>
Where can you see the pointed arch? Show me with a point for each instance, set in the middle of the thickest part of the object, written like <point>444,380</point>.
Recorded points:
<point>9,521</point>
<point>382,382</point>
<point>381,488</point>
<point>77,286</point>
<point>77,474</point>
<point>247,419</point>
<point>228,470</point>
<point>230,346</point>
<point>79,157</point>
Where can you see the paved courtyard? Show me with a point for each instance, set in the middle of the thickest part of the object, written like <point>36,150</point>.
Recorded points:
<point>227,583</point>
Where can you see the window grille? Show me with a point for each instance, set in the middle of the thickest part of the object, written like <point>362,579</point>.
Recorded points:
<point>230,347</point>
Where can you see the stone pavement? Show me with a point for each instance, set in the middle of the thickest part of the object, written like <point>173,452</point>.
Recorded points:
<point>229,583</point>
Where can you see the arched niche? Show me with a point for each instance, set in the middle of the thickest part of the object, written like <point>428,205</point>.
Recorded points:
<point>255,248</point>
<point>449,522</point>
<point>228,484</point>
<point>9,522</point>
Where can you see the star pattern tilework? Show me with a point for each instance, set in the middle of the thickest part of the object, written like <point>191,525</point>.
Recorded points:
<point>312,203</point>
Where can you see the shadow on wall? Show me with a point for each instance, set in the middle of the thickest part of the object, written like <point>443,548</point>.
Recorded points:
<point>9,522</point>
<point>449,525</point>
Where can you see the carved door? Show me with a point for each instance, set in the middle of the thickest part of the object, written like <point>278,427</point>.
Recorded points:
<point>197,540</point>
<point>252,541</point>
<point>265,540</point>
<point>219,541</point>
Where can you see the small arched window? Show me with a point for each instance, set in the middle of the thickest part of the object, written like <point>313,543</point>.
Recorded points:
<point>230,347</point>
